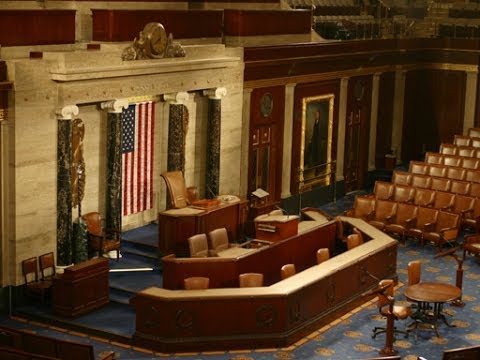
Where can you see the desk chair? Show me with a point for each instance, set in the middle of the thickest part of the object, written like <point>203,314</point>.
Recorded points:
<point>323,254</point>
<point>353,240</point>
<point>198,245</point>
<point>250,280</point>
<point>384,300</point>
<point>414,271</point>
<point>218,239</point>
<point>35,288</point>
<point>287,270</point>
<point>196,283</point>
<point>101,240</point>
<point>47,266</point>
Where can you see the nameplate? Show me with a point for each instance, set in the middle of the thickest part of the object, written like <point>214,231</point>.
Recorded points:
<point>267,227</point>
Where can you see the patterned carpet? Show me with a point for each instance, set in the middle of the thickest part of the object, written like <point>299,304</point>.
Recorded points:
<point>348,337</point>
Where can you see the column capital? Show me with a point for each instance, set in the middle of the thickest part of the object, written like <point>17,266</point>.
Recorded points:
<point>115,106</point>
<point>67,112</point>
<point>215,93</point>
<point>176,98</point>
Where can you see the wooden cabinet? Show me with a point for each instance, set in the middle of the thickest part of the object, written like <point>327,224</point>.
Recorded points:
<point>81,288</point>
<point>175,226</point>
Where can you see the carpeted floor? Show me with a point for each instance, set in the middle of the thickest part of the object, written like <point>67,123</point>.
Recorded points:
<point>346,338</point>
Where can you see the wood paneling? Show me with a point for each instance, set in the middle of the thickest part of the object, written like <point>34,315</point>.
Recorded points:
<point>433,111</point>
<point>124,25</point>
<point>37,27</point>
<point>267,22</point>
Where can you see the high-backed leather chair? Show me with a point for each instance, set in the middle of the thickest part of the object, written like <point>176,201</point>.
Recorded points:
<point>363,208</point>
<point>440,184</point>
<point>383,190</point>
<point>461,140</point>
<point>433,158</point>
<point>323,254</point>
<point>198,245</point>
<point>444,230</point>
<point>218,240</point>
<point>177,191</point>
<point>405,218</point>
<point>101,240</point>
<point>404,193</point>
<point>448,149</point>
<point>455,173</point>
<point>426,219</point>
<point>424,197</point>
<point>437,170</point>
<point>421,181</point>
<point>384,213</point>
<point>287,270</point>
<point>250,280</point>
<point>401,177</point>
<point>196,283</point>
<point>353,240</point>
<point>452,160</point>
<point>385,299</point>
<point>444,200</point>
<point>460,187</point>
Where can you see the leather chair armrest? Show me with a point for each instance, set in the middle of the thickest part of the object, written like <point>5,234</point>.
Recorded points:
<point>467,213</point>
<point>411,222</point>
<point>212,253</point>
<point>429,226</point>
<point>469,239</point>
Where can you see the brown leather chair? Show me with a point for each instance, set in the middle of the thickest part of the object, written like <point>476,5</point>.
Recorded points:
<point>425,220</point>
<point>465,207</point>
<point>452,160</point>
<point>401,177</point>
<point>421,181</point>
<point>353,240</point>
<point>384,213</point>
<point>218,240</point>
<point>444,230</point>
<point>404,193</point>
<point>467,151</point>
<point>101,240</point>
<point>414,272</point>
<point>433,158</point>
<point>456,173</point>
<point>448,149</point>
<point>475,142</point>
<point>198,246</point>
<point>474,132</point>
<point>323,254</point>
<point>196,283</point>
<point>35,287</point>
<point>440,184</point>
<point>250,280</point>
<point>383,190</point>
<point>363,208</point>
<point>465,353</point>
<point>474,190</point>
<point>461,140</point>
<point>460,187</point>
<point>424,197</point>
<point>444,200</point>
<point>47,266</point>
<point>287,270</point>
<point>470,163</point>
<point>177,191</point>
<point>437,170</point>
<point>405,218</point>
<point>472,175</point>
<point>384,302</point>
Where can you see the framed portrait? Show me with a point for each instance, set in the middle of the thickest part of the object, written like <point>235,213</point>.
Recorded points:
<point>316,142</point>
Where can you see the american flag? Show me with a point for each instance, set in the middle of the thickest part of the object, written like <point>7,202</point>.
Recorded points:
<point>137,157</point>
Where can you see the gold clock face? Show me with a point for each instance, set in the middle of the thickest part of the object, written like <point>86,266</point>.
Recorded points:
<point>266,105</point>
<point>157,35</point>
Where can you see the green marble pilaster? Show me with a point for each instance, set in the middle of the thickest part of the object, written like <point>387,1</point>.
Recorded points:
<point>212,174</point>
<point>64,186</point>
<point>113,200</point>
<point>177,131</point>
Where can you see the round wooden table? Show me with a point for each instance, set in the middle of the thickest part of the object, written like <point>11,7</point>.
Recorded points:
<point>425,293</point>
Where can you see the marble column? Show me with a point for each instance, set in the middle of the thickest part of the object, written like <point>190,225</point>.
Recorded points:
<point>7,261</point>
<point>287,140</point>
<point>397,126</point>
<point>212,173</point>
<point>113,191</point>
<point>470,100</point>
<point>177,129</point>
<point>342,125</point>
<point>373,122</point>
<point>64,184</point>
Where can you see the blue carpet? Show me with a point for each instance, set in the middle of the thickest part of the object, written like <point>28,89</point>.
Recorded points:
<point>346,338</point>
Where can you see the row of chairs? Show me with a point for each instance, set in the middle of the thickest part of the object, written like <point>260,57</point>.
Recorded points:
<point>38,276</point>
<point>252,279</point>
<point>460,161</point>
<point>467,207</point>
<point>460,150</point>
<point>201,245</point>
<point>449,172</point>
<point>460,187</point>
<point>408,220</point>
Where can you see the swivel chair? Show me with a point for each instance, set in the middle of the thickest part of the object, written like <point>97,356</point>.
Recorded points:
<point>287,270</point>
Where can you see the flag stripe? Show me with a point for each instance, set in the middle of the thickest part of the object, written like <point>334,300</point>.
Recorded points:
<point>137,157</point>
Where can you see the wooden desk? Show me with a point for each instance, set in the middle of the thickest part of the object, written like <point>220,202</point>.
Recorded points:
<point>271,316</point>
<point>175,226</point>
<point>434,293</point>
<point>81,288</point>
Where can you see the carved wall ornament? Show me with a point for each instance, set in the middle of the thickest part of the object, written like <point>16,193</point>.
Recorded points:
<point>152,43</point>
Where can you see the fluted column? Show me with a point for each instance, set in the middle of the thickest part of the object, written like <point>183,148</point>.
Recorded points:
<point>342,125</point>
<point>373,122</point>
<point>397,128</point>
<point>113,192</point>
<point>64,184</point>
<point>287,140</point>
<point>470,99</point>
<point>177,128</point>
<point>212,173</point>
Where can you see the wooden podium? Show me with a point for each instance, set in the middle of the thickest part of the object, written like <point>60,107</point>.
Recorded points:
<point>276,227</point>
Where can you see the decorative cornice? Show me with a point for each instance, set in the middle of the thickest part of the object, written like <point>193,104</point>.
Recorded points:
<point>68,112</point>
<point>115,106</point>
<point>176,98</point>
<point>215,93</point>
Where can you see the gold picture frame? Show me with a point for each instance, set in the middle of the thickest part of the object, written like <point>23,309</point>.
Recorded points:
<point>316,163</point>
